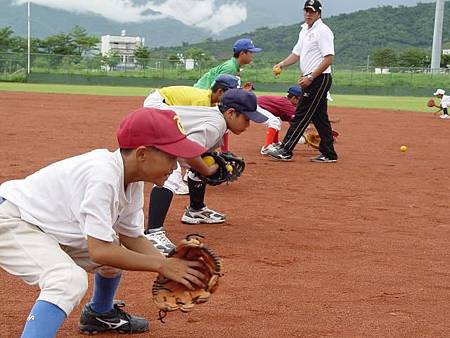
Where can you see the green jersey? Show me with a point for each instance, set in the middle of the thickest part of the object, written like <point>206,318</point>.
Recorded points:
<point>228,67</point>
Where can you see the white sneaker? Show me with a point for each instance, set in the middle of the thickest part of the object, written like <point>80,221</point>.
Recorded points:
<point>444,116</point>
<point>265,150</point>
<point>204,215</point>
<point>183,189</point>
<point>160,241</point>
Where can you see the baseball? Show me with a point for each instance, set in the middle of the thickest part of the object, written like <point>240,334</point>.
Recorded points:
<point>209,160</point>
<point>403,149</point>
<point>276,70</point>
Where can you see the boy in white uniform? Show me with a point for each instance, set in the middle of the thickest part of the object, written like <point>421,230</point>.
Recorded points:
<point>190,96</point>
<point>85,213</point>
<point>206,126</point>
<point>445,102</point>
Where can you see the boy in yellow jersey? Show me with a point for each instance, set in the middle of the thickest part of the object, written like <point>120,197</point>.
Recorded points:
<point>190,96</point>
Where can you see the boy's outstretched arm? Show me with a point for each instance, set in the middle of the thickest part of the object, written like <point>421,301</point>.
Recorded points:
<point>138,254</point>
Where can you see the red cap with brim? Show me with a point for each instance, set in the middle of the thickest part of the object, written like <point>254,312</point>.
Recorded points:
<point>184,148</point>
<point>158,128</point>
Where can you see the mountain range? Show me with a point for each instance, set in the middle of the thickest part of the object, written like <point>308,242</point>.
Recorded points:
<point>356,34</point>
<point>46,21</point>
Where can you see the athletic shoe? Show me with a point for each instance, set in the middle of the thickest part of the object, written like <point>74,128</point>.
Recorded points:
<point>159,240</point>
<point>322,159</point>
<point>265,150</point>
<point>183,189</point>
<point>444,116</point>
<point>204,215</point>
<point>279,154</point>
<point>115,320</point>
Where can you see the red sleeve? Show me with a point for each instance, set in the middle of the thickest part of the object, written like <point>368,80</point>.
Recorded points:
<point>278,105</point>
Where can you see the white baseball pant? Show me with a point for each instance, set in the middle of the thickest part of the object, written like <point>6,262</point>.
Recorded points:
<point>38,259</point>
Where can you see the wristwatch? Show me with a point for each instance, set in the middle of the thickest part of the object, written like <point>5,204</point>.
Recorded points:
<point>310,77</point>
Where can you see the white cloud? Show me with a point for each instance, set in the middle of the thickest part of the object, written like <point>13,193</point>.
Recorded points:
<point>226,16</point>
<point>199,13</point>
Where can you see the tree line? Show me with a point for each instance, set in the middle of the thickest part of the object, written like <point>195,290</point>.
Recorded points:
<point>411,57</point>
<point>78,43</point>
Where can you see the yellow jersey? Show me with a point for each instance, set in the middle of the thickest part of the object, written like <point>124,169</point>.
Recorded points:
<point>186,96</point>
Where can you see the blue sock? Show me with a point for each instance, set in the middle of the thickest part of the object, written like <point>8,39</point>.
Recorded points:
<point>103,294</point>
<point>43,321</point>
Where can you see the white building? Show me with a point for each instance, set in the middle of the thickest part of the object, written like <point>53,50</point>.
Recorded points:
<point>446,51</point>
<point>124,45</point>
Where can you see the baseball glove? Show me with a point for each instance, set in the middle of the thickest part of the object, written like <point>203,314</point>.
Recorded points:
<point>169,295</point>
<point>230,167</point>
<point>431,103</point>
<point>312,138</point>
<point>248,86</point>
<point>236,165</point>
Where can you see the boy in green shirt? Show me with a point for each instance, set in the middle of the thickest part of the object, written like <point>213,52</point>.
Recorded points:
<point>243,50</point>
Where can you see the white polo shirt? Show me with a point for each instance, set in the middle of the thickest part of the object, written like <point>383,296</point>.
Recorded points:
<point>313,45</point>
<point>445,101</point>
<point>80,196</point>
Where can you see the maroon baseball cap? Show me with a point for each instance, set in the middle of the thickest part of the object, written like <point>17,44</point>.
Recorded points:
<point>158,128</point>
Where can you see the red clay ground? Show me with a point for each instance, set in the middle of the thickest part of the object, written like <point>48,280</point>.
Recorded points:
<point>359,248</point>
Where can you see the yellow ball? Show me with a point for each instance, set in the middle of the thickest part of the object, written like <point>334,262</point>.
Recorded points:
<point>403,149</point>
<point>229,168</point>
<point>276,70</point>
<point>209,160</point>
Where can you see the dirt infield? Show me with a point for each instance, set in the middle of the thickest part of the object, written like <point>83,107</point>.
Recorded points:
<point>359,248</point>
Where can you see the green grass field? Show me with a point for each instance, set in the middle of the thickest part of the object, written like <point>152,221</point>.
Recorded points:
<point>350,101</point>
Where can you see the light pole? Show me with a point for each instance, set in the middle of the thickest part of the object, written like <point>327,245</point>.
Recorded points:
<point>29,41</point>
<point>437,36</point>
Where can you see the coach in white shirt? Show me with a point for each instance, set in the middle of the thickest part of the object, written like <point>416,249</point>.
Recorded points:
<point>315,51</point>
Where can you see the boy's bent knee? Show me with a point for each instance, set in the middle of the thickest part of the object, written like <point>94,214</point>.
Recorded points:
<point>63,285</point>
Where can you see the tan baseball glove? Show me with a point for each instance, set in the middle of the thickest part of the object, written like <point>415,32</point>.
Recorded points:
<point>312,137</point>
<point>169,295</point>
<point>431,103</point>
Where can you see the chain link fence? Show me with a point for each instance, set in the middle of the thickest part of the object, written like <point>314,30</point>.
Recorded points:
<point>96,69</point>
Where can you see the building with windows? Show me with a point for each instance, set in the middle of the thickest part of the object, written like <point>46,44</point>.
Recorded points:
<point>124,46</point>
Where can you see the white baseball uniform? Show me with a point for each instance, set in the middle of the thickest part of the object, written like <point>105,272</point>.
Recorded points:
<point>204,125</point>
<point>46,218</point>
<point>445,101</point>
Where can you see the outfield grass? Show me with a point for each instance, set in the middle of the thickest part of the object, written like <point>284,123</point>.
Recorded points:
<point>74,89</point>
<point>351,101</point>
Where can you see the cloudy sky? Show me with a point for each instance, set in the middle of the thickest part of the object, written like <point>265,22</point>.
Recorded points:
<point>209,14</point>
<point>215,16</point>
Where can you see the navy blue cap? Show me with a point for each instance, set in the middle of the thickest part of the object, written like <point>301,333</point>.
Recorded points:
<point>245,44</point>
<point>295,90</point>
<point>227,81</point>
<point>315,5</point>
<point>244,102</point>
